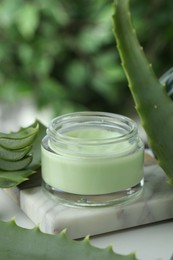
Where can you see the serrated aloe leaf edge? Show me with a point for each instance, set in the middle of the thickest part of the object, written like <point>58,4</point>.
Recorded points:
<point>18,163</point>
<point>153,104</point>
<point>11,179</point>
<point>14,155</point>
<point>15,165</point>
<point>19,244</point>
<point>14,144</point>
<point>22,133</point>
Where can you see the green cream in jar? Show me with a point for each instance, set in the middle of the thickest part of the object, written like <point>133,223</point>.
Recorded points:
<point>92,159</point>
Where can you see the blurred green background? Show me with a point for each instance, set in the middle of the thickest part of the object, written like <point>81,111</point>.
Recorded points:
<point>62,54</point>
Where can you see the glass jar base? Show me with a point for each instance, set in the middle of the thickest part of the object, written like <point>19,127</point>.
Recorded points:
<point>103,200</point>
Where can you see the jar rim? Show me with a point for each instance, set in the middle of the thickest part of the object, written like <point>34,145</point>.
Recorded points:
<point>99,118</point>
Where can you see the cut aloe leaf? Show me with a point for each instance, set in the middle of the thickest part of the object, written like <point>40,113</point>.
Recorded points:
<point>18,140</point>
<point>14,155</point>
<point>14,144</point>
<point>13,149</point>
<point>16,165</point>
<point>22,133</point>
<point>10,179</point>
<point>29,244</point>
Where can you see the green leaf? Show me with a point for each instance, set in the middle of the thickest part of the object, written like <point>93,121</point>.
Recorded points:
<point>18,243</point>
<point>15,144</point>
<point>78,79</point>
<point>15,165</point>
<point>11,179</point>
<point>27,20</point>
<point>18,140</point>
<point>153,104</point>
<point>22,133</point>
<point>13,155</point>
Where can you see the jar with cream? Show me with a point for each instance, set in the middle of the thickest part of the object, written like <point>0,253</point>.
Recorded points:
<point>92,159</point>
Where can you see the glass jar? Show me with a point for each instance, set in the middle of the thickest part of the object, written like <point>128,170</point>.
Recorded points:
<point>92,159</point>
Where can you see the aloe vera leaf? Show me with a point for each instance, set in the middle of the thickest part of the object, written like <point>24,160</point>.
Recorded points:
<point>11,179</point>
<point>14,144</point>
<point>18,140</point>
<point>18,244</point>
<point>17,168</point>
<point>154,106</point>
<point>14,155</point>
<point>22,132</point>
<point>167,79</point>
<point>15,165</point>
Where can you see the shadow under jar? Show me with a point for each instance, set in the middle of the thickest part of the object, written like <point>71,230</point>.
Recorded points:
<point>92,159</point>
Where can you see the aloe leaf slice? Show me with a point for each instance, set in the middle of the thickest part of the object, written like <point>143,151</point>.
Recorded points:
<point>21,133</point>
<point>14,155</point>
<point>17,140</point>
<point>10,179</point>
<point>18,243</point>
<point>26,163</point>
<point>15,165</point>
<point>14,144</point>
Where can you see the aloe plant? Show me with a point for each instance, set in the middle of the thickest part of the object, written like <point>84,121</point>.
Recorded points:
<point>17,243</point>
<point>153,104</point>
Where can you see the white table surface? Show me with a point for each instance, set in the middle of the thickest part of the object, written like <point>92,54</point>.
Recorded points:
<point>151,242</point>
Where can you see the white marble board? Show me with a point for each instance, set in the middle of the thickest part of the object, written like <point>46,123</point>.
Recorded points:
<point>155,204</point>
